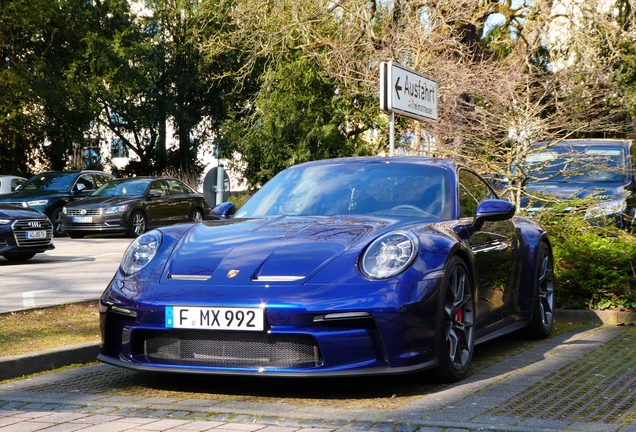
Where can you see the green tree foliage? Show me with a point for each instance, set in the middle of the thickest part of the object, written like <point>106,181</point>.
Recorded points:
<point>298,117</point>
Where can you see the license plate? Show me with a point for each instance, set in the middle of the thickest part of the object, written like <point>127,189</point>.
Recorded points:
<point>35,234</point>
<point>83,219</point>
<point>215,318</point>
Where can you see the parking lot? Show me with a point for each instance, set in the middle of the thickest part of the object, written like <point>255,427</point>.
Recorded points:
<point>76,270</point>
<point>579,379</point>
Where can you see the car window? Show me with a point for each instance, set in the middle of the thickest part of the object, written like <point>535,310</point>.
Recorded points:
<point>87,181</point>
<point>15,183</point>
<point>101,179</point>
<point>50,181</point>
<point>472,190</point>
<point>178,188</point>
<point>159,187</point>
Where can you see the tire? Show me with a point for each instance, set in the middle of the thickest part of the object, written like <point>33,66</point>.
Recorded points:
<point>75,234</point>
<point>19,257</point>
<point>137,223</point>
<point>542,321</point>
<point>196,215</point>
<point>56,221</point>
<point>455,328</point>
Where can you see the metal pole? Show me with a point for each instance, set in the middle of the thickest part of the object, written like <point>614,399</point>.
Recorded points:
<point>392,135</point>
<point>219,184</point>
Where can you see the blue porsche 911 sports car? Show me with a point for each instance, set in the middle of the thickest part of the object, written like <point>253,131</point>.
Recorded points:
<point>335,267</point>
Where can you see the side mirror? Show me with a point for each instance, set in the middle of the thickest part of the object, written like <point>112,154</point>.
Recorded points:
<point>490,210</point>
<point>154,195</point>
<point>224,210</point>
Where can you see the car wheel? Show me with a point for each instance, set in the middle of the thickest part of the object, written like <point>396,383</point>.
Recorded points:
<point>196,215</point>
<point>19,257</point>
<point>137,224</point>
<point>542,320</point>
<point>75,235</point>
<point>56,220</point>
<point>455,323</point>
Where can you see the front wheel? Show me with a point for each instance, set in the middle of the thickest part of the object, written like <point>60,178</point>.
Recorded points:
<point>137,224</point>
<point>542,321</point>
<point>456,342</point>
<point>56,220</point>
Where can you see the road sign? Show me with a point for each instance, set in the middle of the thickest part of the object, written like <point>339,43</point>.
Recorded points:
<point>407,92</point>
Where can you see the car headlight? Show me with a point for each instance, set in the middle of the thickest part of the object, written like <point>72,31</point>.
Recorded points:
<point>36,203</point>
<point>389,255</point>
<point>5,221</point>
<point>116,209</point>
<point>64,210</point>
<point>606,208</point>
<point>140,252</point>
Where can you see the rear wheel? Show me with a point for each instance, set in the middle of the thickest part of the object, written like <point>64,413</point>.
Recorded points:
<point>542,320</point>
<point>196,215</point>
<point>456,342</point>
<point>137,224</point>
<point>19,257</point>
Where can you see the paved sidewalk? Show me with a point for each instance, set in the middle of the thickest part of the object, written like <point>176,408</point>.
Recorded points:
<point>578,381</point>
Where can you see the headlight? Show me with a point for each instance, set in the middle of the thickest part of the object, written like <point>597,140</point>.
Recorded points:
<point>606,208</point>
<point>5,221</point>
<point>140,252</point>
<point>36,203</point>
<point>116,209</point>
<point>64,211</point>
<point>389,255</point>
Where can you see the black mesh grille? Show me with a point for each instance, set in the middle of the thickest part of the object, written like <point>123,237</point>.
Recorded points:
<point>230,349</point>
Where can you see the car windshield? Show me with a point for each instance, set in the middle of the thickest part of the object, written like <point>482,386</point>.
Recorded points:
<point>565,163</point>
<point>58,182</point>
<point>367,188</point>
<point>123,188</point>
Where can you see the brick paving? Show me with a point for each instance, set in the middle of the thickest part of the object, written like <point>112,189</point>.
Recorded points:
<point>577,381</point>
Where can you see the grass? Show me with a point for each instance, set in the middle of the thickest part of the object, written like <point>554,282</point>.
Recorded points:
<point>50,328</point>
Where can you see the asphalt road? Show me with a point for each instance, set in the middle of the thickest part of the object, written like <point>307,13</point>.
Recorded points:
<point>76,270</point>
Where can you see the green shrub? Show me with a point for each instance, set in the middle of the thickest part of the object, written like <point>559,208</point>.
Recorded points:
<point>595,263</point>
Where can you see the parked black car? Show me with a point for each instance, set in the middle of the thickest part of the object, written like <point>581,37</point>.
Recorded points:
<point>49,191</point>
<point>133,205</point>
<point>580,168</point>
<point>23,233</point>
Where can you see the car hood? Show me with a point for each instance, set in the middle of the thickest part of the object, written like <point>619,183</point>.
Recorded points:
<point>285,250</point>
<point>20,196</point>
<point>569,191</point>
<point>14,212</point>
<point>91,202</point>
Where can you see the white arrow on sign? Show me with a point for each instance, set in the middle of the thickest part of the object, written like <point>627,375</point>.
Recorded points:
<point>407,92</point>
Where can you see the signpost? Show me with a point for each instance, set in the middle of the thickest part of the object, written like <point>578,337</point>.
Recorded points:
<point>408,93</point>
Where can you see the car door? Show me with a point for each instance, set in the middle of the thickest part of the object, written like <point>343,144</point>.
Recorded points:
<point>493,249</point>
<point>181,201</point>
<point>158,204</point>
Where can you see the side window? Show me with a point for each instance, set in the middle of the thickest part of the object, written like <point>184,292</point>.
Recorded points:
<point>159,187</point>
<point>15,183</point>
<point>87,181</point>
<point>177,188</point>
<point>472,190</point>
<point>101,179</point>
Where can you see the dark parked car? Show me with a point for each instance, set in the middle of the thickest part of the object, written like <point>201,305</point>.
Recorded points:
<point>23,233</point>
<point>337,267</point>
<point>595,168</point>
<point>133,205</point>
<point>49,191</point>
<point>9,183</point>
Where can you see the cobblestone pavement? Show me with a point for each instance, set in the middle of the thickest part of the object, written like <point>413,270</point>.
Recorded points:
<point>582,380</point>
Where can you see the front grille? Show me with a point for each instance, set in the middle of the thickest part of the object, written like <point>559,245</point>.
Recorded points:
<point>24,226</point>
<point>229,349</point>
<point>85,212</point>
